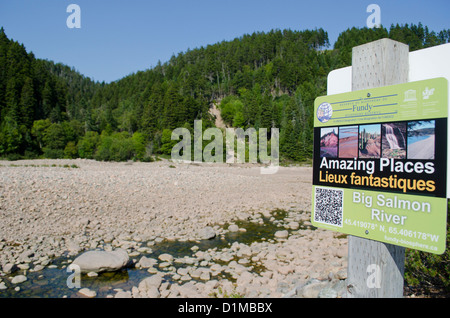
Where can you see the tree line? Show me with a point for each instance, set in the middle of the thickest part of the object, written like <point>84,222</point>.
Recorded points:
<point>259,80</point>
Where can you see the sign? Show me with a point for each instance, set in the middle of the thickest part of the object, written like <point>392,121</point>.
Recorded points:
<point>380,164</point>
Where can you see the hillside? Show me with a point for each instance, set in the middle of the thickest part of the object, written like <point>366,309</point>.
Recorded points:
<point>259,80</point>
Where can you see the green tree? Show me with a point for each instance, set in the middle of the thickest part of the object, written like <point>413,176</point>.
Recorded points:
<point>54,140</point>
<point>27,103</point>
<point>166,142</point>
<point>71,150</point>
<point>174,108</point>
<point>10,136</point>
<point>38,130</point>
<point>238,119</point>
<point>122,147</point>
<point>103,151</point>
<point>48,99</point>
<point>229,106</point>
<point>266,115</point>
<point>139,145</point>
<point>87,145</point>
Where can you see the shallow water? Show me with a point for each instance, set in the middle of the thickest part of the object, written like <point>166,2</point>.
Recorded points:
<point>53,282</point>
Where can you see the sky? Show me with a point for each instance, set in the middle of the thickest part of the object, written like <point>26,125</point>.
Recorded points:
<point>117,37</point>
<point>370,129</point>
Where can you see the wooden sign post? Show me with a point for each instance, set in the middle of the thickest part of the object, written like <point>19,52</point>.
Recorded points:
<point>376,269</point>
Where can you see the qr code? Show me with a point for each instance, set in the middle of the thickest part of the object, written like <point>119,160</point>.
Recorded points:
<point>329,206</point>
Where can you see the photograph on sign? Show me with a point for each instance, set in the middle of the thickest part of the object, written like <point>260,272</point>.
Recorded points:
<point>380,164</point>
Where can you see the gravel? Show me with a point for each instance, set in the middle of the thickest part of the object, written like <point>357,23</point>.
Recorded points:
<point>51,207</point>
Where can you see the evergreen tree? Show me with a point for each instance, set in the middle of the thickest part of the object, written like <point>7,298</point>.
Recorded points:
<point>27,103</point>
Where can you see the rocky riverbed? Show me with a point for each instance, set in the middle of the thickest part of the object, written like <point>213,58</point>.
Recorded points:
<point>60,209</point>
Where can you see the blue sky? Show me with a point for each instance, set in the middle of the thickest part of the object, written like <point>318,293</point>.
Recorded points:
<point>118,38</point>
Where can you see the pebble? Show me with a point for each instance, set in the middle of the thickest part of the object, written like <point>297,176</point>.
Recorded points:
<point>123,294</point>
<point>166,257</point>
<point>185,278</point>
<point>293,225</point>
<point>24,266</point>
<point>87,292</point>
<point>19,279</point>
<point>205,276</point>
<point>38,268</point>
<point>164,264</point>
<point>146,262</point>
<point>281,234</point>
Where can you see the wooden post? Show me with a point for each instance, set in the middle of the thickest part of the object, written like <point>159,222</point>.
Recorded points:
<point>376,269</point>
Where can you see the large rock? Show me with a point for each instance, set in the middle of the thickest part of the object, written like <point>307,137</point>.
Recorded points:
<point>102,261</point>
<point>10,268</point>
<point>207,233</point>
<point>150,283</point>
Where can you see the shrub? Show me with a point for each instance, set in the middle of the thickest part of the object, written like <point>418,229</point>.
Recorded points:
<point>115,147</point>
<point>51,153</point>
<point>166,142</point>
<point>71,150</point>
<point>139,145</point>
<point>88,145</point>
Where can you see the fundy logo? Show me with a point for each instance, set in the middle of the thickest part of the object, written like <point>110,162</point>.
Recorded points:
<point>213,152</point>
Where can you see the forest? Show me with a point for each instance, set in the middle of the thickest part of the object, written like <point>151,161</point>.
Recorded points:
<point>260,80</point>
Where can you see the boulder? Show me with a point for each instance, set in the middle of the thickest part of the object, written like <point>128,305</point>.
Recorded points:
<point>102,261</point>
<point>150,282</point>
<point>10,268</point>
<point>207,233</point>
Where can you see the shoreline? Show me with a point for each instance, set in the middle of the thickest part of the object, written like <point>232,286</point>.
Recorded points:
<point>422,149</point>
